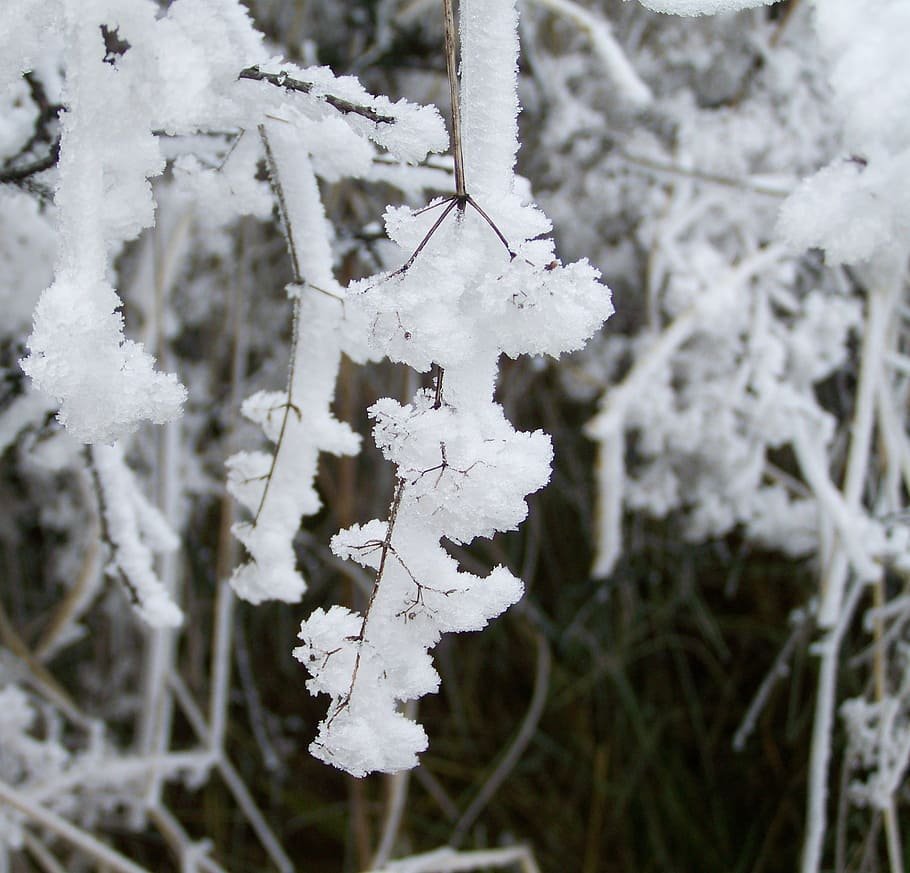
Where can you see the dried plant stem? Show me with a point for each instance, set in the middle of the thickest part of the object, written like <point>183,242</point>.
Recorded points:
<point>41,854</point>
<point>289,83</point>
<point>94,848</point>
<point>822,727</point>
<point>232,778</point>
<point>385,549</point>
<point>889,815</point>
<point>447,860</point>
<point>452,72</point>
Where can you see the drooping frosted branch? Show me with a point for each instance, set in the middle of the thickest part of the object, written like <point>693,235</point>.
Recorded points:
<point>280,488</point>
<point>475,282</point>
<point>104,383</point>
<point>133,529</point>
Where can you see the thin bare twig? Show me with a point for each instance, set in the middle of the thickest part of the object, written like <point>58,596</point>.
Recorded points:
<point>385,546</point>
<point>289,83</point>
<point>452,73</point>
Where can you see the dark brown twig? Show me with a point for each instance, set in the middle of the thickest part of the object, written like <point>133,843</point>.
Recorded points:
<point>386,548</point>
<point>14,171</point>
<point>289,83</point>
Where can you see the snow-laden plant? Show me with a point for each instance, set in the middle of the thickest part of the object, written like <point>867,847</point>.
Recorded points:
<point>477,281</point>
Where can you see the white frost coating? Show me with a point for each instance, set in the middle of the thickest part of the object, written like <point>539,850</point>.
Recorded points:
<point>858,206</point>
<point>312,138</point>
<point>702,7</point>
<point>853,210</point>
<point>25,27</point>
<point>279,489</point>
<point>481,285</point>
<point>135,529</point>
<point>105,385</point>
<point>412,132</point>
<point>879,739</point>
<point>489,95</point>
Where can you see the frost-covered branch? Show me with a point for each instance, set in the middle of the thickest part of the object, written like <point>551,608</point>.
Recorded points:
<point>132,529</point>
<point>289,83</point>
<point>477,282</point>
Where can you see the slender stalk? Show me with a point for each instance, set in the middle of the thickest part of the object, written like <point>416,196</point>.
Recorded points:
<point>232,779</point>
<point>223,623</point>
<point>452,72</point>
<point>289,83</point>
<point>822,727</point>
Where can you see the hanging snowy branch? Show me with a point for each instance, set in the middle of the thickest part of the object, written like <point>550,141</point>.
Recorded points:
<point>477,282</point>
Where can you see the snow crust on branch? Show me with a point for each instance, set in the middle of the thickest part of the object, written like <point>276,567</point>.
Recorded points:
<point>135,529</point>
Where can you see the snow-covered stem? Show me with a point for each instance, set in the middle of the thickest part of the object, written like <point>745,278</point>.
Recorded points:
<point>828,649</point>
<point>779,670</point>
<point>132,528</point>
<point>118,770</point>
<point>157,711</point>
<point>221,663</point>
<point>811,455</point>
<point>193,857</point>
<point>283,79</point>
<point>280,489</point>
<point>223,618</point>
<point>478,282</point>
<point>41,854</point>
<point>881,302</point>
<point>879,674</point>
<point>254,816</point>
